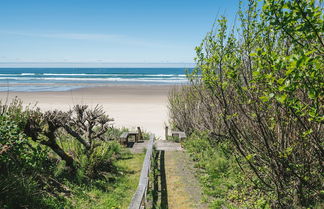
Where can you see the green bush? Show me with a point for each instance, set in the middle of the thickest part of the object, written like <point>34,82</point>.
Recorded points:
<point>259,87</point>
<point>24,191</point>
<point>102,160</point>
<point>36,155</point>
<point>17,151</point>
<point>21,162</point>
<point>222,178</point>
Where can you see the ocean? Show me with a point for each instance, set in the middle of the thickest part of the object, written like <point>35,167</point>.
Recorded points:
<point>65,79</point>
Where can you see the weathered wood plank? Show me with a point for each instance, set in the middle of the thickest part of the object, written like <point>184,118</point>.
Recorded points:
<point>180,134</point>
<point>140,194</point>
<point>140,135</point>
<point>164,145</point>
<point>124,135</point>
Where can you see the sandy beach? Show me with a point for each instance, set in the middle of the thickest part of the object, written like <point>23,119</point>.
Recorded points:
<point>129,105</point>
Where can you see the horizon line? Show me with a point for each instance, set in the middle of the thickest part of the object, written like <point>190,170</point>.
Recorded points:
<point>96,64</point>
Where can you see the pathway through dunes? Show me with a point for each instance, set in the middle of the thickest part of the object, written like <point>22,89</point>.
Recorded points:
<point>183,188</point>
<point>176,186</point>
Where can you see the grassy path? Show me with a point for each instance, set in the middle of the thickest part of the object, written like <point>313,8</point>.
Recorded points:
<point>183,189</point>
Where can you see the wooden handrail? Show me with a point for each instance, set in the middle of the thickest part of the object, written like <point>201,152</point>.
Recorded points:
<point>139,198</point>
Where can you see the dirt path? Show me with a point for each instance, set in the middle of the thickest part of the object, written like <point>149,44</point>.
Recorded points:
<point>183,189</point>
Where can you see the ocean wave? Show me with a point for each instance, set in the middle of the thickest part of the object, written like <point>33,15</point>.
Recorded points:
<point>161,80</point>
<point>93,75</point>
<point>27,74</point>
<point>113,74</point>
<point>14,78</point>
<point>116,79</point>
<point>65,74</point>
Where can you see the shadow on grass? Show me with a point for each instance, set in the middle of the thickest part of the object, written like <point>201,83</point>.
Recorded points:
<point>164,189</point>
<point>160,191</point>
<point>155,189</point>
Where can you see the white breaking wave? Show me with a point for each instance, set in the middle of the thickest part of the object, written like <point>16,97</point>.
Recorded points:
<point>164,80</point>
<point>113,74</point>
<point>14,78</point>
<point>98,75</point>
<point>28,74</point>
<point>64,74</point>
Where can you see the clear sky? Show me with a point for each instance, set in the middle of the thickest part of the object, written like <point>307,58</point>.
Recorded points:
<point>124,31</point>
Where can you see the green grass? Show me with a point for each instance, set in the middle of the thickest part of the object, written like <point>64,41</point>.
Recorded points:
<point>223,182</point>
<point>117,193</point>
<point>57,189</point>
<point>108,179</point>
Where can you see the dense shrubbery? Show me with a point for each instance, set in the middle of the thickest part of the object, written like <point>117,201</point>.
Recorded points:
<point>220,174</point>
<point>22,162</point>
<point>40,151</point>
<point>261,90</point>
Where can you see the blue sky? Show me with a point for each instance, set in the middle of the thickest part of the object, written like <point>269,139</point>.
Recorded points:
<point>122,31</point>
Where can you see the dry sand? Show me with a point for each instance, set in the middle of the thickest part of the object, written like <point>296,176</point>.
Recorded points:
<point>130,106</point>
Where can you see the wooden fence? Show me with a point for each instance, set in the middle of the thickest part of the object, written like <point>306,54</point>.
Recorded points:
<point>139,198</point>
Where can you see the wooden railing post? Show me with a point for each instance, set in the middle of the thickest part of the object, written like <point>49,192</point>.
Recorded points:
<point>140,136</point>
<point>139,198</point>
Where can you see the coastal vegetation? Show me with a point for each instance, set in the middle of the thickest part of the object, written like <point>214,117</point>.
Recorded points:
<point>252,111</point>
<point>58,159</point>
<point>254,107</point>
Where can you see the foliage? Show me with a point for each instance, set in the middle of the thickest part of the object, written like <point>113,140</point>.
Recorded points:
<point>21,163</point>
<point>260,88</point>
<point>87,125</point>
<point>119,190</point>
<point>15,148</point>
<point>24,191</point>
<point>221,176</point>
<point>44,166</point>
<point>191,108</point>
<point>101,160</point>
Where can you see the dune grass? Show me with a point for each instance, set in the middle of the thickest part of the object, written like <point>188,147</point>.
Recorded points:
<point>116,194</point>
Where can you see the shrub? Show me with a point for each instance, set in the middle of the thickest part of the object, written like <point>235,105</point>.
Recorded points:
<point>21,161</point>
<point>221,176</point>
<point>101,161</point>
<point>264,95</point>
<point>37,155</point>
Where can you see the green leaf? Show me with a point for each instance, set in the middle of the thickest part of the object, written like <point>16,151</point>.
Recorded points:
<point>312,94</point>
<point>271,95</point>
<point>289,71</point>
<point>249,157</point>
<point>264,98</point>
<point>281,80</point>
<point>282,88</point>
<point>256,73</point>
<point>281,98</point>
